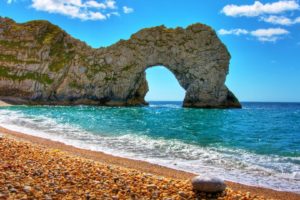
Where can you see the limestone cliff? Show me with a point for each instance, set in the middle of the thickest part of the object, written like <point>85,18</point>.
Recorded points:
<point>42,64</point>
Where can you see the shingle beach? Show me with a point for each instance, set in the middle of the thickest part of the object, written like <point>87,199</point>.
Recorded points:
<point>31,170</point>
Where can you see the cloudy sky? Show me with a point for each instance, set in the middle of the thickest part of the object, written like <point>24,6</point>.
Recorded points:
<point>263,37</point>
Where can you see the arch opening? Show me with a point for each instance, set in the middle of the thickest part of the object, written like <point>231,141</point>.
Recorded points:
<point>163,85</point>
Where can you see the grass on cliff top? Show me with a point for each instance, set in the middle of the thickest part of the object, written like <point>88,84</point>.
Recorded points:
<point>60,52</point>
<point>46,34</point>
<point>42,78</point>
<point>50,34</point>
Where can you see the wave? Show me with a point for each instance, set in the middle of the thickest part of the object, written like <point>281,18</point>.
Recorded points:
<point>271,171</point>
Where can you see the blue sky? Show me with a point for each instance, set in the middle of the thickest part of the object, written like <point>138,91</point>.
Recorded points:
<point>263,37</point>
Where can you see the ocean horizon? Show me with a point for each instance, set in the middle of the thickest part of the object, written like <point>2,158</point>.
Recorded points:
<point>257,145</point>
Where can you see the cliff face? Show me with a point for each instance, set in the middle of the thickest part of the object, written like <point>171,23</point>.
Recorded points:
<point>42,64</point>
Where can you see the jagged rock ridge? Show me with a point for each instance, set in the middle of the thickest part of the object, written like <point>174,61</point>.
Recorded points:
<point>42,64</point>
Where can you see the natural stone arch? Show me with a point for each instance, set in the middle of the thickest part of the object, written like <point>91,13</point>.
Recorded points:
<point>195,55</point>
<point>63,70</point>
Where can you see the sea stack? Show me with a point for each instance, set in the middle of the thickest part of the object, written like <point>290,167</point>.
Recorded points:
<point>41,64</point>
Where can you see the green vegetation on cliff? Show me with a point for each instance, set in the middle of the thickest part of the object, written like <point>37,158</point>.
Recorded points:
<point>42,78</point>
<point>60,50</point>
<point>49,34</point>
<point>11,44</point>
<point>75,85</point>
<point>61,57</point>
<point>13,59</point>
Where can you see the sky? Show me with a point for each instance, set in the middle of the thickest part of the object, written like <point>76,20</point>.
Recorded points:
<point>263,37</point>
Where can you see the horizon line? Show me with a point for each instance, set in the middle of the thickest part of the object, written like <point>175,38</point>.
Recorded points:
<point>240,101</point>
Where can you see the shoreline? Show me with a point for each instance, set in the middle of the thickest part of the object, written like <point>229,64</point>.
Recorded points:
<point>140,165</point>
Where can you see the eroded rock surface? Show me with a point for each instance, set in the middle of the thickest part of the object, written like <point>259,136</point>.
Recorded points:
<point>42,64</point>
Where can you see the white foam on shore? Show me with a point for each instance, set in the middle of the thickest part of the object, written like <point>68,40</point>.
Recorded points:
<point>280,173</point>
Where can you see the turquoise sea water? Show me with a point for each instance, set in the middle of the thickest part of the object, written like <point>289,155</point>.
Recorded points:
<point>256,145</point>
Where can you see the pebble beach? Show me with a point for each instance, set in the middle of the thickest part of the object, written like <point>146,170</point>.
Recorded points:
<point>33,170</point>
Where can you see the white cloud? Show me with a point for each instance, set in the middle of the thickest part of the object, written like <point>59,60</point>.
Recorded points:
<point>112,13</point>
<point>233,32</point>
<point>71,8</point>
<point>95,4</point>
<point>111,4</point>
<point>259,8</point>
<point>264,35</point>
<point>127,10</point>
<point>269,35</point>
<point>80,9</point>
<point>280,20</point>
<point>297,20</point>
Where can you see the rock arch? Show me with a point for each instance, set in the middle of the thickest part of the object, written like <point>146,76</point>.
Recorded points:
<point>44,65</point>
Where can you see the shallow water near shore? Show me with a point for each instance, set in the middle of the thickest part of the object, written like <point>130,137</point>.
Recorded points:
<point>257,145</point>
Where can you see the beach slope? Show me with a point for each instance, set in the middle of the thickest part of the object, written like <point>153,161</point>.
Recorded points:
<point>32,167</point>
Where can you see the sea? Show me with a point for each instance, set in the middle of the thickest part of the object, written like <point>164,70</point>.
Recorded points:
<point>257,145</point>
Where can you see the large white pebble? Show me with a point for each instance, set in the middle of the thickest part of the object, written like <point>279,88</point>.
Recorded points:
<point>208,184</point>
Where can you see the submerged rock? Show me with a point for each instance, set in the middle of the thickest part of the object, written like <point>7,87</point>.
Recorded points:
<point>42,64</point>
<point>208,184</point>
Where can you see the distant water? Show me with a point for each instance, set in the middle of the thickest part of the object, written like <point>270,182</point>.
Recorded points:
<point>257,145</point>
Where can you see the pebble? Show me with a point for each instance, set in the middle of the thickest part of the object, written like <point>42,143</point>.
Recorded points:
<point>208,184</point>
<point>27,189</point>
<point>13,190</point>
<point>151,187</point>
<point>47,197</point>
<point>2,196</point>
<point>182,194</point>
<point>61,191</point>
<point>115,198</point>
<point>44,173</point>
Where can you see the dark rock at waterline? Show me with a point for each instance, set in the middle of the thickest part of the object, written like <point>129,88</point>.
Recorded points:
<point>208,184</point>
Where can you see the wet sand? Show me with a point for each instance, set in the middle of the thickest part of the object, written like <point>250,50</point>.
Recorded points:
<point>127,169</point>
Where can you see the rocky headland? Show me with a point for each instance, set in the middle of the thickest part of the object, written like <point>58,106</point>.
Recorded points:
<point>41,64</point>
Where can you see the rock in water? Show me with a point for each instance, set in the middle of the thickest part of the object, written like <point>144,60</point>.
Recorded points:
<point>42,64</point>
<point>208,184</point>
